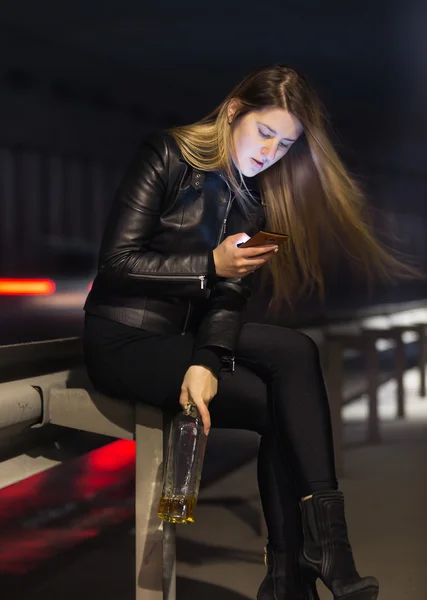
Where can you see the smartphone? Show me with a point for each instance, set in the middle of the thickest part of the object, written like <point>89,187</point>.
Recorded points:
<point>263,238</point>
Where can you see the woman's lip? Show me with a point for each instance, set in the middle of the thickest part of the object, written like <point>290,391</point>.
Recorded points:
<point>257,162</point>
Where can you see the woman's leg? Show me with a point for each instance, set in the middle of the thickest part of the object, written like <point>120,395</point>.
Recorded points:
<point>130,364</point>
<point>241,403</point>
<point>289,362</point>
<point>134,365</point>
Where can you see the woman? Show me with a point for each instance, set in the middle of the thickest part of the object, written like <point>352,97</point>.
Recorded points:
<point>164,318</point>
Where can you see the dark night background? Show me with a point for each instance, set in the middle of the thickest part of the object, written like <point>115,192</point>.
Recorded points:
<point>81,82</point>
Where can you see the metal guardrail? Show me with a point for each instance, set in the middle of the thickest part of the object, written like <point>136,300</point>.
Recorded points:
<point>51,350</point>
<point>21,408</point>
<point>21,399</point>
<point>18,361</point>
<point>374,310</point>
<point>66,398</point>
<point>26,369</point>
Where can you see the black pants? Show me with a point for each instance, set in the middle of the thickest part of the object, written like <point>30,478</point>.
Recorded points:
<point>276,390</point>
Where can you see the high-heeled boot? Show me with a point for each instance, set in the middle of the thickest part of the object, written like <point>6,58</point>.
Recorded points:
<point>284,581</point>
<point>326,551</point>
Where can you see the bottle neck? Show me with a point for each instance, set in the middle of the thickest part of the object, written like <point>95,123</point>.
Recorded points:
<point>191,411</point>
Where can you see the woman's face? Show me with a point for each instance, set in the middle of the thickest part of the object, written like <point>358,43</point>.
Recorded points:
<point>261,138</point>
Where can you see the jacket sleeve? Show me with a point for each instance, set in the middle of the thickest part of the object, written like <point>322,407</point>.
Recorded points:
<point>221,325</point>
<point>220,328</point>
<point>125,255</point>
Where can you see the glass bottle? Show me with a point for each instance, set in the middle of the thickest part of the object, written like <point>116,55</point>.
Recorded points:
<point>183,470</point>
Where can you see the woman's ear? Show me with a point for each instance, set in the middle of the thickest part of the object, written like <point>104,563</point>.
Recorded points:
<point>232,107</point>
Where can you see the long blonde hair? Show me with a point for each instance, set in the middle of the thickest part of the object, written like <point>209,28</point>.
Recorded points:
<point>308,193</point>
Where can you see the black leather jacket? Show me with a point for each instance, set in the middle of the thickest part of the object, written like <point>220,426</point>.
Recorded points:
<point>156,268</point>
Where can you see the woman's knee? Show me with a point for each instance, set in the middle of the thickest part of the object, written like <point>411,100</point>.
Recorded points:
<point>303,345</point>
<point>269,347</point>
<point>293,344</point>
<point>241,402</point>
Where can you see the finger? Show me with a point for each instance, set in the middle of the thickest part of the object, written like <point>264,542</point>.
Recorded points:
<point>256,262</point>
<point>252,266</point>
<point>238,238</point>
<point>257,250</point>
<point>269,255</point>
<point>184,398</point>
<point>204,413</point>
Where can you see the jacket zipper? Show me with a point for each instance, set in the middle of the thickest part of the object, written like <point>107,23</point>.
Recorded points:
<point>227,212</point>
<point>187,317</point>
<point>201,278</point>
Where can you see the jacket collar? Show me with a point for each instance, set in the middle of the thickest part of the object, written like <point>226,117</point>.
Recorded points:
<point>197,180</point>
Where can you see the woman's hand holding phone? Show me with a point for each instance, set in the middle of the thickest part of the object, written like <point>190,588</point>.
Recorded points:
<point>232,261</point>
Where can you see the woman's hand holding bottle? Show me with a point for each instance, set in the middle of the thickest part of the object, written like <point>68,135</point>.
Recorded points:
<point>199,386</point>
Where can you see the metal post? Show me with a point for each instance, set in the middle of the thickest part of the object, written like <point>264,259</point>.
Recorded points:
<point>422,358</point>
<point>169,547</point>
<point>334,379</point>
<point>372,376</point>
<point>169,562</point>
<point>400,368</point>
<point>148,527</point>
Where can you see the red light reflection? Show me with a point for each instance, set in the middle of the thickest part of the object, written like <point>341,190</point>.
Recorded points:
<point>58,509</point>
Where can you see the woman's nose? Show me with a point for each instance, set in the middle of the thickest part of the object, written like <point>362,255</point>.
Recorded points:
<point>269,152</point>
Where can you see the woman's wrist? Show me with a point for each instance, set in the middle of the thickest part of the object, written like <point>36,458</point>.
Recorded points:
<point>209,358</point>
<point>217,262</point>
<point>211,265</point>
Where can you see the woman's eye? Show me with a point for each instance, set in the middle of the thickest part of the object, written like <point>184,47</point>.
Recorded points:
<point>267,135</point>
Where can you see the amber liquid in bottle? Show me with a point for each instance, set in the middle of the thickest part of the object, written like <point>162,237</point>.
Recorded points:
<point>183,470</point>
<point>178,509</point>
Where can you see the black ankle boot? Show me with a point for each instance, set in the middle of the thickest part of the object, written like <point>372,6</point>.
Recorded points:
<point>326,549</point>
<point>284,580</point>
